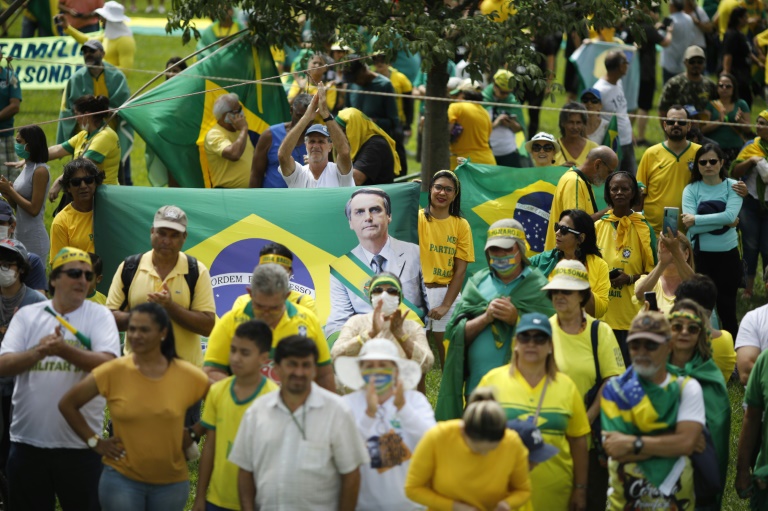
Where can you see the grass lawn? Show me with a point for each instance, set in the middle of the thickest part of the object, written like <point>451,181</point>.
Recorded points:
<point>154,51</point>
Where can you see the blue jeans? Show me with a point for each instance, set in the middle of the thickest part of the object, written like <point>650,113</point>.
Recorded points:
<point>753,224</point>
<point>118,493</point>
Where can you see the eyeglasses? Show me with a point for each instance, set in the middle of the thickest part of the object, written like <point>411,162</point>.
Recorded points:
<point>564,292</point>
<point>696,61</point>
<point>539,147</point>
<point>594,101</point>
<point>389,290</point>
<point>692,328</point>
<point>76,181</point>
<point>649,345</point>
<point>678,122</point>
<point>7,266</point>
<point>711,161</point>
<point>564,229</point>
<point>446,189</point>
<point>538,338</point>
<point>76,273</point>
<point>725,85</point>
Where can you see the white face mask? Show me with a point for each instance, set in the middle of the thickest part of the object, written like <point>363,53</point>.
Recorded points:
<point>7,277</point>
<point>390,303</point>
<point>4,232</point>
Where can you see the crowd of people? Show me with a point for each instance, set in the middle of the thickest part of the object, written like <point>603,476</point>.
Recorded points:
<point>589,376</point>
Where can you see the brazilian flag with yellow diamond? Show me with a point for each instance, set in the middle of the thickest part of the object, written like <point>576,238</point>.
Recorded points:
<point>227,229</point>
<point>174,130</point>
<point>490,193</point>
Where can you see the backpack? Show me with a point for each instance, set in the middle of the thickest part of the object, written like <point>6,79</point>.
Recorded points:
<point>131,265</point>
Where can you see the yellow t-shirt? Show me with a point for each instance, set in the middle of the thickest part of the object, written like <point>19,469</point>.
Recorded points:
<point>296,320</point>
<point>226,173</point>
<point>723,354</point>
<point>665,175</point>
<point>562,416</point>
<point>440,241</point>
<point>120,52</point>
<point>473,140</point>
<point>564,156</point>
<point>402,85</point>
<point>146,280</point>
<point>222,414</point>
<point>762,41</point>
<point>663,300</point>
<point>621,308</point>
<point>330,97</point>
<point>597,271</point>
<point>102,148</point>
<point>148,417</point>
<point>443,470</point>
<point>571,193</point>
<point>72,228</point>
<point>724,10</point>
<point>573,354</point>
<point>98,298</point>
<point>295,297</point>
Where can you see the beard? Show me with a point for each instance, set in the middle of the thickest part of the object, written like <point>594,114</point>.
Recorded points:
<point>676,137</point>
<point>646,370</point>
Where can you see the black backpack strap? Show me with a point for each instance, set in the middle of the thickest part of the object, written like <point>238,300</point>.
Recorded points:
<point>592,394</point>
<point>589,188</point>
<point>130,266</point>
<point>191,277</point>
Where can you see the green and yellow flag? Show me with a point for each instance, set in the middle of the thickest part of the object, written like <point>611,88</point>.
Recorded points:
<point>175,130</point>
<point>228,228</point>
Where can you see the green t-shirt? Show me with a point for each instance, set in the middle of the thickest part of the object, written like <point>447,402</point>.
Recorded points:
<point>756,395</point>
<point>725,135</point>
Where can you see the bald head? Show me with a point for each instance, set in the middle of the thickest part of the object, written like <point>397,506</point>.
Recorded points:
<point>600,162</point>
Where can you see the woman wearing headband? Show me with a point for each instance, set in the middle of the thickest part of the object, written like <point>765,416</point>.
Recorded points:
<point>387,321</point>
<point>446,247</point>
<point>691,355</point>
<point>530,384</point>
<point>471,463</point>
<point>390,415</point>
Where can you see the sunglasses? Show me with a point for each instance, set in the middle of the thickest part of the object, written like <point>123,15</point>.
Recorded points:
<point>539,339</point>
<point>76,273</point>
<point>698,61</point>
<point>76,181</point>
<point>564,292</point>
<point>635,345</point>
<point>692,328</point>
<point>712,162</point>
<point>390,291</point>
<point>594,101</point>
<point>539,147</point>
<point>564,229</point>
<point>446,189</point>
<point>678,122</point>
<point>725,85</point>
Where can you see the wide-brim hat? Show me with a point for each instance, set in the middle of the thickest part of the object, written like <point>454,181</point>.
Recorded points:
<point>569,275</point>
<point>112,11</point>
<point>348,368</point>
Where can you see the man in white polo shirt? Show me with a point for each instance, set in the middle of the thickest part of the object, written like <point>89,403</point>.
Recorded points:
<point>318,172</point>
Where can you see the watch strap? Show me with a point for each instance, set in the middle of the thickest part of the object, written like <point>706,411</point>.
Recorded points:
<point>329,118</point>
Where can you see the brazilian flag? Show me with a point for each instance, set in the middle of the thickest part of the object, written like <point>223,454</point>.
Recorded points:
<point>175,130</point>
<point>227,229</point>
<point>43,12</point>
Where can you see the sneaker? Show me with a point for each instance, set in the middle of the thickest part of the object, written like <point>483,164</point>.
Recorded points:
<point>161,9</point>
<point>192,452</point>
<point>149,9</point>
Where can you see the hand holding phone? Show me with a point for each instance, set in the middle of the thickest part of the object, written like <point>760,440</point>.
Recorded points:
<point>671,218</point>
<point>650,297</point>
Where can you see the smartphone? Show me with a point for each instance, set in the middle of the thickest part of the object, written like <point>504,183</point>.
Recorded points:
<point>614,273</point>
<point>650,297</point>
<point>671,218</point>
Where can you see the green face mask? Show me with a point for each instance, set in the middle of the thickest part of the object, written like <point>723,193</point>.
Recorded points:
<point>21,150</point>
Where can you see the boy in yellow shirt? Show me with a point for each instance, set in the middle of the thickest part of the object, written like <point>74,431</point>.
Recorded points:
<point>225,405</point>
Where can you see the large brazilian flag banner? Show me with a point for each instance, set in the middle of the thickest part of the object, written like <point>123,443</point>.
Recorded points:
<point>490,193</point>
<point>175,129</point>
<point>228,228</point>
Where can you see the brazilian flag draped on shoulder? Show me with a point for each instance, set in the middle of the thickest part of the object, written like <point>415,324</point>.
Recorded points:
<point>43,12</point>
<point>227,229</point>
<point>175,130</point>
<point>490,193</point>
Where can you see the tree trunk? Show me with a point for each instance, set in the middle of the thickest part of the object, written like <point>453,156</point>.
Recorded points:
<point>435,149</point>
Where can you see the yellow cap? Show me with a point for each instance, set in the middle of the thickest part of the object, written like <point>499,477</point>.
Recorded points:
<point>68,255</point>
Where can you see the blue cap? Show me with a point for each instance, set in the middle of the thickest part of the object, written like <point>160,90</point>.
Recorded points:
<point>691,110</point>
<point>534,321</point>
<point>538,450</point>
<point>318,128</point>
<point>6,211</point>
<point>594,92</point>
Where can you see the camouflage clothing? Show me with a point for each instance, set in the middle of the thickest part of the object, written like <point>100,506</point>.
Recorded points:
<point>680,90</point>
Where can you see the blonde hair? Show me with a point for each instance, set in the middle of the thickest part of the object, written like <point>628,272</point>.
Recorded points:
<point>550,365</point>
<point>703,343</point>
<point>484,418</point>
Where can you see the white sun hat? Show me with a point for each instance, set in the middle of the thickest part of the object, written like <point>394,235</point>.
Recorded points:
<point>569,274</point>
<point>112,11</point>
<point>348,368</point>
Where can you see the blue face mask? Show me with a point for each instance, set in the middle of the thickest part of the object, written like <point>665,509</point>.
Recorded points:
<point>21,150</point>
<point>504,266</point>
<point>383,378</point>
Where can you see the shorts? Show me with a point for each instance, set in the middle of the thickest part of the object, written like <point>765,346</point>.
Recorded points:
<point>645,97</point>
<point>435,297</point>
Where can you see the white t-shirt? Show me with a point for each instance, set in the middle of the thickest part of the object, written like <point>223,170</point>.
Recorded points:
<point>615,102</point>
<point>296,458</point>
<point>598,136</point>
<point>383,491</point>
<point>691,401</point>
<point>698,36</point>
<point>330,178</point>
<point>683,34</point>
<point>753,329</point>
<point>37,392</point>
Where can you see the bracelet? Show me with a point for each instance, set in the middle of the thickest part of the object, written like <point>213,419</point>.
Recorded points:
<point>405,338</point>
<point>580,486</point>
<point>329,118</point>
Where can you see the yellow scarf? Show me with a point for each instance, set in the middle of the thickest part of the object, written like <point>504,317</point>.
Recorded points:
<point>624,231</point>
<point>359,129</point>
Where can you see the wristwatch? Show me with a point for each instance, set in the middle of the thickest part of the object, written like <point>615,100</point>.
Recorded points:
<point>93,442</point>
<point>193,435</point>
<point>329,118</point>
<point>638,444</point>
